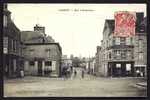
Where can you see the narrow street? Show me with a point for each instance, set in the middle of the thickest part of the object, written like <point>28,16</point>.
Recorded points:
<point>74,86</point>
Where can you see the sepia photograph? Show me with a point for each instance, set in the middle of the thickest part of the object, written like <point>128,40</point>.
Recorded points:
<point>74,50</point>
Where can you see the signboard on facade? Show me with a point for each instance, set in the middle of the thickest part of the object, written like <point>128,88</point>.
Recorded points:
<point>125,24</point>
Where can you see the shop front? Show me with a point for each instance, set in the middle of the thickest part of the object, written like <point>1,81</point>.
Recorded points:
<point>121,69</point>
<point>140,70</point>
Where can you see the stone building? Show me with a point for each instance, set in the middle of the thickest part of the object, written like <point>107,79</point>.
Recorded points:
<point>92,63</point>
<point>140,49</point>
<point>43,59</point>
<point>123,56</point>
<point>12,46</point>
<point>42,53</point>
<point>98,62</point>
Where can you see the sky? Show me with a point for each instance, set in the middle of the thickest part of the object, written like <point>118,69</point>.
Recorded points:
<point>77,27</point>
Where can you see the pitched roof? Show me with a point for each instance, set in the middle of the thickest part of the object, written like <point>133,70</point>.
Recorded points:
<point>109,23</point>
<point>49,39</point>
<point>31,37</point>
<point>35,37</point>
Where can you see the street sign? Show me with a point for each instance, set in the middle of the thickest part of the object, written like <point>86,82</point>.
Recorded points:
<point>124,24</point>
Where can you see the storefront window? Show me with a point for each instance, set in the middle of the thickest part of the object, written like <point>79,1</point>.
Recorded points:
<point>118,65</point>
<point>128,67</point>
<point>48,63</point>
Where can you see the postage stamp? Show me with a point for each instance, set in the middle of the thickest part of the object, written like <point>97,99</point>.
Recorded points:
<point>124,24</point>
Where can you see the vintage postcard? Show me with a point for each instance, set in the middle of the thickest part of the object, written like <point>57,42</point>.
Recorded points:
<point>74,50</point>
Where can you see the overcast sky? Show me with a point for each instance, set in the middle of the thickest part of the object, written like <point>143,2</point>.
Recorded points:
<point>77,27</point>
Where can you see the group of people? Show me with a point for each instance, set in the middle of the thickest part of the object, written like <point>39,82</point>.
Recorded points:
<point>69,72</point>
<point>82,73</point>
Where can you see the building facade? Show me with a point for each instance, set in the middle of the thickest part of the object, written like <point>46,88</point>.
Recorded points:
<point>42,59</point>
<point>123,56</point>
<point>140,49</point>
<point>43,55</point>
<point>98,62</point>
<point>12,46</point>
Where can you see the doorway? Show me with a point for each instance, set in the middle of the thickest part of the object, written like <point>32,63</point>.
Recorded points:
<point>39,68</point>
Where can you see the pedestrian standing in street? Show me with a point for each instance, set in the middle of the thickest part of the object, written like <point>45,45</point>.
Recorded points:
<point>75,73</point>
<point>138,73</point>
<point>21,73</point>
<point>82,73</point>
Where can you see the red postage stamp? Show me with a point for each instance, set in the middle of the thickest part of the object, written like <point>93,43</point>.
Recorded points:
<point>125,24</point>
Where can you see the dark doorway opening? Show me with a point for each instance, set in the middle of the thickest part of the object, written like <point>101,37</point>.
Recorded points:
<point>39,68</point>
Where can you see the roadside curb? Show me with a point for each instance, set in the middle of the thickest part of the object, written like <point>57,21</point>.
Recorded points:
<point>142,84</point>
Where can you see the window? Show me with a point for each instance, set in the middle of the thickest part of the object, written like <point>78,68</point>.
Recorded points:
<point>31,52</point>
<point>129,53</point>
<point>14,65</point>
<point>48,63</point>
<point>5,21</point>
<point>31,63</point>
<point>109,55</point>
<point>118,52</point>
<point>128,41</point>
<point>5,6</point>
<point>17,46</point>
<point>107,43</point>
<point>140,44</point>
<point>48,52</point>
<point>131,40</point>
<point>118,65</point>
<point>117,41</point>
<point>122,40</point>
<point>14,45</point>
<point>123,54</point>
<point>141,56</point>
<point>5,45</point>
<point>113,41</point>
<point>128,67</point>
<point>54,65</point>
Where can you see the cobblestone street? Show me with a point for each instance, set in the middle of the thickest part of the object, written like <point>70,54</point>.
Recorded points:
<point>89,86</point>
